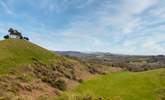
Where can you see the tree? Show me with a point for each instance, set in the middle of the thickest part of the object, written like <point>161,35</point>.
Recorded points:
<point>15,33</point>
<point>21,37</point>
<point>11,31</point>
<point>18,34</point>
<point>6,37</point>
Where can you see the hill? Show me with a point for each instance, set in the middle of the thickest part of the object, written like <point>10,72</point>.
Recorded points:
<point>72,53</point>
<point>16,52</point>
<point>30,72</point>
<point>127,62</point>
<point>148,85</point>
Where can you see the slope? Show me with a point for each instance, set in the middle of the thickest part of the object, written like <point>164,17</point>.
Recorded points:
<point>149,85</point>
<point>30,71</point>
<point>15,53</point>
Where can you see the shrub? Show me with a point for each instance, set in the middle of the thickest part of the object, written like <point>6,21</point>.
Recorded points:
<point>6,37</point>
<point>60,84</point>
<point>26,38</point>
<point>80,80</point>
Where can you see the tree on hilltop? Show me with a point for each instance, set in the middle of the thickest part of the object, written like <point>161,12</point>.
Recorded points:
<point>15,34</point>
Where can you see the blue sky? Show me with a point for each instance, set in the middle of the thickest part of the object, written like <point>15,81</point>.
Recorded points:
<point>117,26</point>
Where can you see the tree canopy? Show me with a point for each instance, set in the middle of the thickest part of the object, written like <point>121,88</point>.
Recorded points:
<point>12,32</point>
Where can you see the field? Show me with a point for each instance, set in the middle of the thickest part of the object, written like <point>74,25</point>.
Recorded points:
<point>122,86</point>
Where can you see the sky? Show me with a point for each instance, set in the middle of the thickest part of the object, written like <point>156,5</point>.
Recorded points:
<point>116,26</point>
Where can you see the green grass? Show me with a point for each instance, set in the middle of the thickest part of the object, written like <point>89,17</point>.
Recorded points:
<point>123,86</point>
<point>16,53</point>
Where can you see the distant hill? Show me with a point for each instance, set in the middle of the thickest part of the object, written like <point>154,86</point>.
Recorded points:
<point>87,55</point>
<point>72,53</point>
<point>128,62</point>
<point>102,54</point>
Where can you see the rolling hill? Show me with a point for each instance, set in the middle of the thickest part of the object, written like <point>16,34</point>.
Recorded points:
<point>30,71</point>
<point>15,53</point>
<point>129,62</point>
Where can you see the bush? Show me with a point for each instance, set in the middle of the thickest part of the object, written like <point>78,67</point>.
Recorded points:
<point>60,84</point>
<point>80,80</point>
<point>25,38</point>
<point>6,37</point>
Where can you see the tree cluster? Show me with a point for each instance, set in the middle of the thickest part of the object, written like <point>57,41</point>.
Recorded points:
<point>16,34</point>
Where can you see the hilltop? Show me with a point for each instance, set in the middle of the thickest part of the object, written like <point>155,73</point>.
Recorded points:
<point>18,52</point>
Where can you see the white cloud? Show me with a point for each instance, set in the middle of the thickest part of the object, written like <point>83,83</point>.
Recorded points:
<point>127,18</point>
<point>98,24</point>
<point>86,3</point>
<point>120,26</point>
<point>158,11</point>
<point>62,5</point>
<point>6,8</point>
<point>101,20</point>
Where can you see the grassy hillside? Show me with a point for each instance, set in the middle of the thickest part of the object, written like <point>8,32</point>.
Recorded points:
<point>123,86</point>
<point>15,53</point>
<point>30,72</point>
